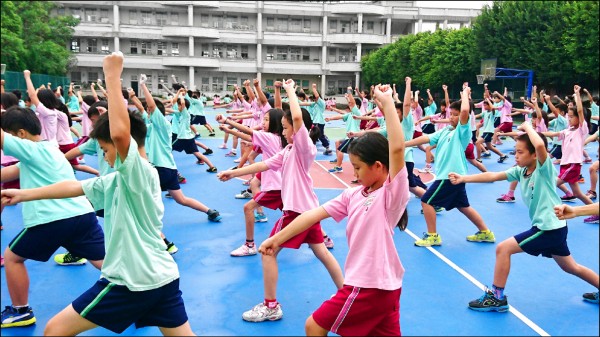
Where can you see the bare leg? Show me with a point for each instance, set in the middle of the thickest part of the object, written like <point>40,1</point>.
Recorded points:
<point>203,158</point>
<point>504,251</point>
<point>67,323</point>
<point>311,328</point>
<point>270,274</point>
<point>568,264</point>
<point>418,191</point>
<point>479,147</point>
<point>183,330</point>
<point>478,165</point>
<point>330,263</point>
<point>86,169</point>
<point>255,188</point>
<point>474,216</point>
<point>594,175</point>
<point>561,185</point>
<point>17,278</point>
<point>181,199</point>
<point>249,217</point>
<point>580,195</point>
<point>492,148</point>
<point>430,217</point>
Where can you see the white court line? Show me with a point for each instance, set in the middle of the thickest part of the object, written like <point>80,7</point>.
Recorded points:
<point>333,174</point>
<point>466,275</point>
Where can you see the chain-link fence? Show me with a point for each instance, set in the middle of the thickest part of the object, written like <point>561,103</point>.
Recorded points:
<point>15,80</point>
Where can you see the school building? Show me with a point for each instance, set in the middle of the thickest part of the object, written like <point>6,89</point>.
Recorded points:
<point>212,45</point>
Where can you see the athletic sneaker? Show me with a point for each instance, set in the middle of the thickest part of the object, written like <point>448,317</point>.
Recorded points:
<point>13,317</point>
<point>200,162</point>
<point>237,160</point>
<point>244,250</point>
<point>482,237</point>
<point>244,195</point>
<point>168,195</point>
<point>437,209</point>
<point>208,152</point>
<point>486,154</point>
<point>336,169</point>
<point>333,161</point>
<point>171,248</point>
<point>181,179</point>
<point>589,297</point>
<point>513,152</point>
<point>587,160</point>
<point>479,160</point>
<point>592,219</point>
<point>427,169</point>
<point>261,313</point>
<point>211,134</point>
<point>505,198</point>
<point>568,198</point>
<point>502,159</point>
<point>69,259</point>
<point>327,152</point>
<point>581,179</point>
<point>591,194</point>
<point>429,240</point>
<point>328,243</point>
<point>230,154</point>
<point>213,215</point>
<point>223,146</point>
<point>211,169</point>
<point>488,302</point>
<point>81,161</point>
<point>260,217</point>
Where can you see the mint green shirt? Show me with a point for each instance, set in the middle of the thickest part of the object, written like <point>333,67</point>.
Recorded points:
<point>488,122</point>
<point>175,119</point>
<point>594,108</point>
<point>429,111</point>
<point>42,164</point>
<point>539,194</point>
<point>318,111</point>
<point>450,152</point>
<point>73,104</point>
<point>408,128</point>
<point>557,125</point>
<point>136,255</point>
<point>183,124</point>
<point>158,143</point>
<point>226,100</point>
<point>352,125</point>
<point>92,147</point>
<point>498,113</point>
<point>196,106</point>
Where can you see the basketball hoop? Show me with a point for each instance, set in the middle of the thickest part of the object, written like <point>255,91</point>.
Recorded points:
<point>480,79</point>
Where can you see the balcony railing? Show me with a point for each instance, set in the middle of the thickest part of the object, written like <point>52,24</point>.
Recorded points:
<point>228,25</point>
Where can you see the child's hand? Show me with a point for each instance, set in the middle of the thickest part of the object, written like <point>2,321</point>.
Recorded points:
<point>101,110</point>
<point>576,88</point>
<point>278,84</point>
<point>456,178</point>
<point>11,197</point>
<point>445,87</point>
<point>289,85</point>
<point>143,78</point>
<point>524,126</point>
<point>27,73</point>
<point>255,82</point>
<point>268,247</point>
<point>99,83</point>
<point>225,175</point>
<point>113,64</point>
<point>220,118</point>
<point>327,119</point>
<point>533,100</point>
<point>383,92</point>
<point>564,212</point>
<point>428,91</point>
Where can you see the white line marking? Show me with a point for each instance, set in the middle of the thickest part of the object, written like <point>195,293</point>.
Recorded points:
<point>466,275</point>
<point>332,174</point>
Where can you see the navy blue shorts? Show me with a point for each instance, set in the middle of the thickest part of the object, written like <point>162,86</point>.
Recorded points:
<point>100,213</point>
<point>556,151</point>
<point>81,235</point>
<point>443,194</point>
<point>413,180</point>
<point>487,137</point>
<point>535,242</point>
<point>173,138</point>
<point>115,307</point>
<point>474,136</point>
<point>198,120</point>
<point>345,144</point>
<point>168,178</point>
<point>496,122</point>
<point>187,145</point>
<point>428,128</point>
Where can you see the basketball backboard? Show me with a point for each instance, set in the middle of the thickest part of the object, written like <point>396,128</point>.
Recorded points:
<point>488,68</point>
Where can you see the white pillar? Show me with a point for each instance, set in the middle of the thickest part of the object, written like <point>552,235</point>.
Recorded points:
<point>388,30</point>
<point>420,26</point>
<point>259,29</point>
<point>324,59</point>
<point>191,82</point>
<point>325,29</point>
<point>445,23</point>
<point>360,23</point>
<point>117,47</point>
<point>154,85</point>
<point>323,87</point>
<point>358,51</point>
<point>190,15</point>
<point>259,56</point>
<point>259,77</point>
<point>191,46</point>
<point>116,19</point>
<point>357,79</point>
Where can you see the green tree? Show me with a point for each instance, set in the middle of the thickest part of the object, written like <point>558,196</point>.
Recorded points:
<point>45,35</point>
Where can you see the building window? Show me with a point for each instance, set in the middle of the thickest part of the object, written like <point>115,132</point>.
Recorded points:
<point>270,23</point>
<point>230,82</point>
<point>333,26</point>
<point>175,48</point>
<point>231,52</point>
<point>295,54</point>
<point>281,53</point>
<point>205,50</point>
<point>105,47</point>
<point>104,15</point>
<point>161,48</point>
<point>204,22</point>
<point>307,25</point>
<point>92,46</point>
<point>270,53</point>
<point>60,11</point>
<point>76,12</point>
<point>370,26</point>
<point>75,45</point>
<point>305,54</point>
<point>217,51</point>
<point>146,18</point>
<point>305,84</point>
<point>134,47</point>
<point>244,52</point>
<point>270,83</point>
<point>92,76</point>
<point>296,25</point>
<point>205,84</point>
<point>133,17</point>
<point>282,24</point>
<point>76,76</point>
<point>175,18</point>
<point>217,84</point>
<point>163,79</point>
<point>217,21</point>
<point>161,18</point>
<point>345,26</point>
<point>133,78</point>
<point>91,14</point>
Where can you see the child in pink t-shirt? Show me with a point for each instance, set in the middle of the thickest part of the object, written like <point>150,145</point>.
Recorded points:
<point>374,272</point>
<point>297,194</point>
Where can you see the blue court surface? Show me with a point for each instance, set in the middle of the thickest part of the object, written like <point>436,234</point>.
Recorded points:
<point>438,282</point>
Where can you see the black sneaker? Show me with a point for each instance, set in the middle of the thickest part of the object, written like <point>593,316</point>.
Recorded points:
<point>512,152</point>
<point>213,215</point>
<point>502,159</point>
<point>568,199</point>
<point>171,248</point>
<point>211,134</point>
<point>212,169</point>
<point>327,152</point>
<point>208,152</point>
<point>488,302</point>
<point>591,297</point>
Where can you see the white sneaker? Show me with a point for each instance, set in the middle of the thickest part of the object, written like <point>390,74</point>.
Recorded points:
<point>244,195</point>
<point>244,250</point>
<point>237,160</point>
<point>261,313</point>
<point>81,161</point>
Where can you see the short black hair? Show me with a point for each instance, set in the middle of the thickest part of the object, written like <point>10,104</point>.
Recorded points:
<point>93,110</point>
<point>48,99</point>
<point>17,93</point>
<point>525,138</point>
<point>16,118</point>
<point>9,100</point>
<point>455,105</point>
<point>101,129</point>
<point>89,99</point>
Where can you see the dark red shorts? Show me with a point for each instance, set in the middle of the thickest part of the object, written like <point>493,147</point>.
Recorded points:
<point>417,134</point>
<point>256,149</point>
<point>354,311</point>
<point>269,199</point>
<point>258,176</point>
<point>14,183</point>
<point>570,173</point>
<point>66,148</point>
<point>311,235</point>
<point>506,127</point>
<point>469,152</point>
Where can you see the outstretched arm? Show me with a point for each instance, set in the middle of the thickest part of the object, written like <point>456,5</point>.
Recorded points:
<point>30,89</point>
<point>120,126</point>
<point>579,105</point>
<point>60,190</point>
